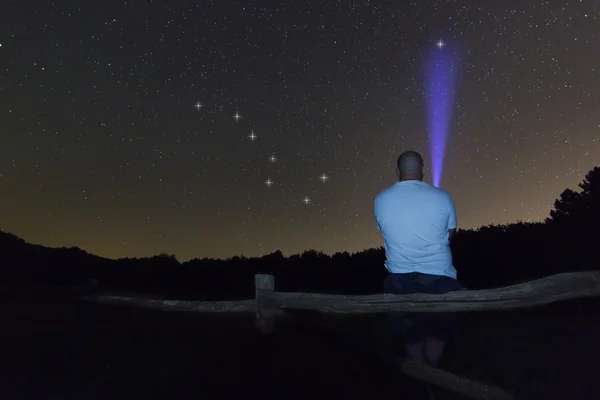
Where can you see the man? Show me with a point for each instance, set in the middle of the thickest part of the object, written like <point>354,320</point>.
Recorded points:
<point>417,221</point>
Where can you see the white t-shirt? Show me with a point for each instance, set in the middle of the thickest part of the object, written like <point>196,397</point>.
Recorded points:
<point>413,218</point>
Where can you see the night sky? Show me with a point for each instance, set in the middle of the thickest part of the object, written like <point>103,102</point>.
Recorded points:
<point>118,127</point>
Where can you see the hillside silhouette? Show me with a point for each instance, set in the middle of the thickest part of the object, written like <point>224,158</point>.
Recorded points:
<point>494,255</point>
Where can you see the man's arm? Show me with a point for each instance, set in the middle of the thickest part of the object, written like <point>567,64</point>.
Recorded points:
<point>375,214</point>
<point>451,219</point>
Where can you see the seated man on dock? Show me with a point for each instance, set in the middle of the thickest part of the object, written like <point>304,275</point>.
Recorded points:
<point>417,221</point>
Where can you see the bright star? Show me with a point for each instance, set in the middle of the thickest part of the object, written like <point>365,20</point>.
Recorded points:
<point>237,116</point>
<point>273,158</point>
<point>268,182</point>
<point>306,200</point>
<point>440,44</point>
<point>323,178</point>
<point>252,136</point>
<point>198,106</point>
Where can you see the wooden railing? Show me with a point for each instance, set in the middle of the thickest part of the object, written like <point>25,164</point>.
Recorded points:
<point>271,306</point>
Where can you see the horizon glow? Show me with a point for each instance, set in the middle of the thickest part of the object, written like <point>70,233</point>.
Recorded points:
<point>440,74</point>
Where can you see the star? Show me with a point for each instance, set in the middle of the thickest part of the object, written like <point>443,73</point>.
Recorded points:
<point>323,178</point>
<point>273,158</point>
<point>306,200</point>
<point>440,44</point>
<point>252,136</point>
<point>198,106</point>
<point>268,182</point>
<point>237,116</point>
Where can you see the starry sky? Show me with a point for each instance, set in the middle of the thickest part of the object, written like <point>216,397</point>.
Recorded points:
<point>222,128</point>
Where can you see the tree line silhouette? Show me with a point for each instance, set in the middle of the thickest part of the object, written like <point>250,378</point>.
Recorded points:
<point>490,256</point>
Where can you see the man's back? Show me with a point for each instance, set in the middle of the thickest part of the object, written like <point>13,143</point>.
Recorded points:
<point>414,218</point>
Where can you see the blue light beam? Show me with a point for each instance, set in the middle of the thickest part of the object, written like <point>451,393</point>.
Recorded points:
<point>440,73</point>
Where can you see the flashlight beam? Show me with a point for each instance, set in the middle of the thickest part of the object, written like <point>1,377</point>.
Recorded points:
<point>439,80</point>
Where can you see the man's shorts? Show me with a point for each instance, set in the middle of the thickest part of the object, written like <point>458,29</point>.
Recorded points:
<point>415,327</point>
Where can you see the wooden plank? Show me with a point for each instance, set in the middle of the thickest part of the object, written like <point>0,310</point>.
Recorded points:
<point>547,290</point>
<point>179,305</point>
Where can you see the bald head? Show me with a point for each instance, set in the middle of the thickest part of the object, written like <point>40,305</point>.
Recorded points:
<point>410,166</point>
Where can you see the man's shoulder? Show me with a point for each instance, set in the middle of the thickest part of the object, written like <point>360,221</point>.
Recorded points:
<point>441,192</point>
<point>385,192</point>
<point>443,197</point>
